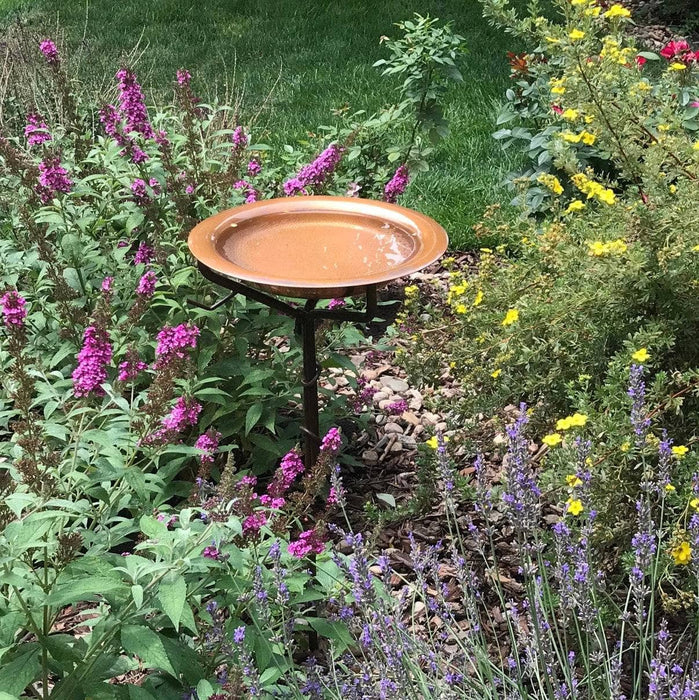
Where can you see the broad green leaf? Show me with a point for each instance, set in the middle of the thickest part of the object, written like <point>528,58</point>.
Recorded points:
<point>173,597</point>
<point>253,415</point>
<point>83,589</point>
<point>148,646</point>
<point>18,674</point>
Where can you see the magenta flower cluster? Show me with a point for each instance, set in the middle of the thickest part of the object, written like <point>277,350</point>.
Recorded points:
<point>332,442</point>
<point>336,304</point>
<point>93,360</point>
<point>53,178</point>
<point>316,173</point>
<point>184,77</point>
<point>146,285</point>
<point>36,131</point>
<point>289,468</point>
<point>48,48</point>
<point>308,542</point>
<point>173,343</point>
<point>13,309</point>
<point>208,444</point>
<point>239,139</point>
<point>130,368</point>
<point>248,190</point>
<point>144,254</point>
<point>396,185</point>
<point>254,168</point>
<point>139,190</point>
<point>132,103</point>
<point>184,413</point>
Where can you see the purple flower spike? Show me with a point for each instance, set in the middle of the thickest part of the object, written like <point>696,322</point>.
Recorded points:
<point>132,103</point>
<point>316,173</point>
<point>208,444</point>
<point>13,309</point>
<point>396,185</point>
<point>48,48</point>
<point>332,442</point>
<point>93,359</point>
<point>308,542</point>
<point>239,139</point>
<point>144,254</point>
<point>36,131</point>
<point>146,285</point>
<point>53,178</point>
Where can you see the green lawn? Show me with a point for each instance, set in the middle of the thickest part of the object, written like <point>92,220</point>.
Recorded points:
<point>313,56</point>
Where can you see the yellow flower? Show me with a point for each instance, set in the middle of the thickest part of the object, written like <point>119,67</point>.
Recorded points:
<point>573,480</point>
<point>673,189</point>
<point>576,35</point>
<point>694,503</point>
<point>574,506</point>
<point>695,147</point>
<point>496,373</point>
<point>677,66</point>
<point>575,205</point>
<point>512,316</point>
<point>625,447</point>
<point>599,249</point>
<point>479,298</point>
<point>550,181</point>
<point>552,439</point>
<point>411,291</point>
<point>587,138</point>
<point>458,289</point>
<point>593,11</point>
<point>682,554</point>
<point>607,196</point>
<point>617,11</point>
<point>558,90</point>
<point>589,118</point>
<point>570,137</point>
<point>433,443</point>
<point>553,40</point>
<point>570,114</point>
<point>557,86</point>
<point>663,127</point>
<point>576,420</point>
<point>679,451</point>
<point>461,309</point>
<point>641,355</point>
<point>670,488</point>
<point>644,86</point>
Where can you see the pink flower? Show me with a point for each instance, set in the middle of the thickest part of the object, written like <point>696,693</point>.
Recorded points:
<point>248,190</point>
<point>53,178</point>
<point>208,444</point>
<point>144,254</point>
<point>36,131</point>
<point>107,284</point>
<point>48,48</point>
<point>254,168</point>
<point>132,104</point>
<point>212,552</point>
<point>173,343</point>
<point>273,503</point>
<point>130,368</point>
<point>13,311</point>
<point>332,442</point>
<point>396,185</point>
<point>557,109</point>
<point>239,138</point>
<point>308,542</point>
<point>674,49</point>
<point>253,523</point>
<point>316,173</point>
<point>189,189</point>
<point>140,192</point>
<point>146,285</point>
<point>184,413</point>
<point>154,185</point>
<point>289,468</point>
<point>183,77</point>
<point>93,359</point>
<point>336,304</point>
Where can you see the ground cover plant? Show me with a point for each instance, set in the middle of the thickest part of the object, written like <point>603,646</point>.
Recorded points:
<point>295,64</point>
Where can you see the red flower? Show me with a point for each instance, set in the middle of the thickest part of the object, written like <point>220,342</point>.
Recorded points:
<point>640,61</point>
<point>557,109</point>
<point>674,49</point>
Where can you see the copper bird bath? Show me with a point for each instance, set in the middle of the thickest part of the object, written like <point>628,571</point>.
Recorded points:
<point>314,248</point>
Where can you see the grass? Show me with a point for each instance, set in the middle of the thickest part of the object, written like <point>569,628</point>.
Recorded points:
<point>313,57</point>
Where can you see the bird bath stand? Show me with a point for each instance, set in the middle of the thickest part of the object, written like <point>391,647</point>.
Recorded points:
<point>313,248</point>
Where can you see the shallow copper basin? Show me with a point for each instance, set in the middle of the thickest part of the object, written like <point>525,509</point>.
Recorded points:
<point>317,247</point>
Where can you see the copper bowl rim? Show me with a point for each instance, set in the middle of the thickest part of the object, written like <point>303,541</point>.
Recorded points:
<point>432,242</point>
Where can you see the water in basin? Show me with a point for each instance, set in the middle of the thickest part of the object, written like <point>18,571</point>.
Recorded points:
<point>318,246</point>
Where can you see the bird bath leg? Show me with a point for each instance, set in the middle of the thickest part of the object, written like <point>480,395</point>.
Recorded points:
<point>311,373</point>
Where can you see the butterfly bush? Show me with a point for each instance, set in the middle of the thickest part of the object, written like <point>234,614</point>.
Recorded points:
<point>146,441</point>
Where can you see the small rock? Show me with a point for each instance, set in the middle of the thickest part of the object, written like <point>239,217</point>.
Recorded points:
<point>380,396</point>
<point>397,446</point>
<point>395,384</point>
<point>411,418</point>
<point>370,457</point>
<point>380,419</point>
<point>383,405</point>
<point>441,426</point>
<point>409,442</point>
<point>392,428</point>
<point>499,439</point>
<point>429,418</point>
<point>415,404</point>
